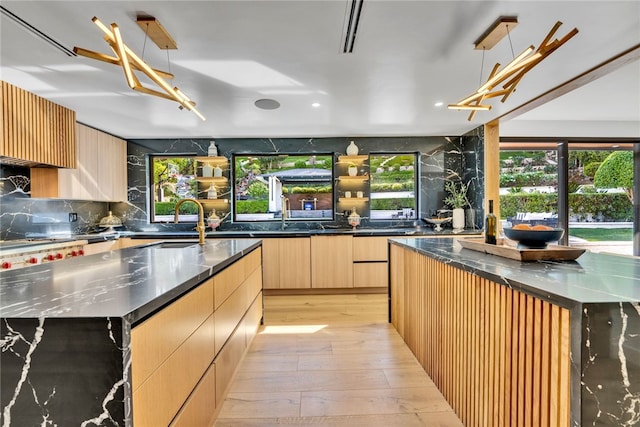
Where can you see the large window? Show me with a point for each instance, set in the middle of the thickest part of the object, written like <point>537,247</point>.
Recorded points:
<point>393,186</point>
<point>267,184</point>
<point>172,179</point>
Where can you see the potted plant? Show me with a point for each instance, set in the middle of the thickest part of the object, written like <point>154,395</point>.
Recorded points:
<point>457,200</point>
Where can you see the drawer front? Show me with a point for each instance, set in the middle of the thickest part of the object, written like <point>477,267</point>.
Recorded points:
<point>200,408</point>
<point>228,315</point>
<point>370,275</point>
<point>370,248</point>
<point>227,361</point>
<point>160,397</point>
<point>155,339</point>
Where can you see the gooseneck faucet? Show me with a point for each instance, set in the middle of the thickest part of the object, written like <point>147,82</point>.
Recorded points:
<point>200,227</point>
<point>286,205</point>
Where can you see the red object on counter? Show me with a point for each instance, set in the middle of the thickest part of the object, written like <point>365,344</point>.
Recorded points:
<point>50,257</point>
<point>32,260</point>
<point>59,256</point>
<point>74,253</point>
<point>6,265</point>
<point>80,252</point>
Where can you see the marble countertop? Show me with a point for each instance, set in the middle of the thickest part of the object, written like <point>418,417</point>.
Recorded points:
<point>592,278</point>
<point>410,231</point>
<point>130,283</point>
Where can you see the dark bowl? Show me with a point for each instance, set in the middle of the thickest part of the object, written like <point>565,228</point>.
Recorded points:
<point>533,239</point>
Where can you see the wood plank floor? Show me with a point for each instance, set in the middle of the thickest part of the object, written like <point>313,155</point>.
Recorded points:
<point>332,360</point>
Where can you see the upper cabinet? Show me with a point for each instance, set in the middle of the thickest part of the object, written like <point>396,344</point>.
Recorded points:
<point>101,174</point>
<point>36,131</point>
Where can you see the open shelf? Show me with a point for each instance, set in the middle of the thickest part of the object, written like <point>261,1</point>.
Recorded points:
<point>354,178</point>
<point>353,199</point>
<point>356,159</point>
<point>218,180</point>
<point>214,160</point>
<point>214,201</point>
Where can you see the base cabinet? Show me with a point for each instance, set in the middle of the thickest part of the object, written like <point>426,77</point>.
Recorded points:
<point>184,356</point>
<point>331,261</point>
<point>287,263</point>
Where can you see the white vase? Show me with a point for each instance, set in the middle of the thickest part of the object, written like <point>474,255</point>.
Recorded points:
<point>207,170</point>
<point>217,171</point>
<point>352,149</point>
<point>212,193</point>
<point>458,219</point>
<point>354,218</point>
<point>353,170</point>
<point>213,150</point>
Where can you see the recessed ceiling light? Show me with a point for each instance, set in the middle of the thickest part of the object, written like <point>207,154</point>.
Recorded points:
<point>438,104</point>
<point>267,104</point>
<point>315,104</point>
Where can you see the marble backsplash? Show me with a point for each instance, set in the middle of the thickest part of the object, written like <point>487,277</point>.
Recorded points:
<point>441,159</point>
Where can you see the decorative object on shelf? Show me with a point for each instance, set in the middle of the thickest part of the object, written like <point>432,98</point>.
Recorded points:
<point>360,194</point>
<point>129,61</point>
<point>437,222</point>
<point>352,149</point>
<point>353,170</point>
<point>347,194</point>
<point>207,170</point>
<point>457,200</point>
<point>354,218</point>
<point>213,220</point>
<point>212,193</point>
<point>513,72</point>
<point>110,222</point>
<point>213,150</point>
<point>217,172</point>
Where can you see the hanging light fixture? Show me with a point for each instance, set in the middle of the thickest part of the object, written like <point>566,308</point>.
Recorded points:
<point>129,61</point>
<point>514,71</point>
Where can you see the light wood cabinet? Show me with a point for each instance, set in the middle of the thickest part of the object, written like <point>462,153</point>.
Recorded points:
<point>101,174</point>
<point>331,261</point>
<point>184,357</point>
<point>35,130</point>
<point>370,267</point>
<point>287,263</point>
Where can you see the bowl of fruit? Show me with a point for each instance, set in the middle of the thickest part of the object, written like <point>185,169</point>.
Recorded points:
<point>533,237</point>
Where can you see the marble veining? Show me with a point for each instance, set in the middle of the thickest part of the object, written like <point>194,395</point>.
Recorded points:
<point>602,293</point>
<point>65,328</point>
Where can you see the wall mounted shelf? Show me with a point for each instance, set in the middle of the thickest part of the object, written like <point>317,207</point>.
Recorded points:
<point>354,178</point>
<point>352,199</point>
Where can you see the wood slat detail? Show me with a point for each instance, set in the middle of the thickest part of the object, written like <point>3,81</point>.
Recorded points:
<point>36,130</point>
<point>500,357</point>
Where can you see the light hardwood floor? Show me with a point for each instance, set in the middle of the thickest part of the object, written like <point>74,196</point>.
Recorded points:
<point>332,360</point>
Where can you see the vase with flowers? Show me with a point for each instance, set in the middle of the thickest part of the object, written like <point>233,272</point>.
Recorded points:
<point>457,200</point>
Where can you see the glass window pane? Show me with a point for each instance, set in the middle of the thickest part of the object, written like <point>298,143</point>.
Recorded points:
<point>173,178</point>
<point>393,186</point>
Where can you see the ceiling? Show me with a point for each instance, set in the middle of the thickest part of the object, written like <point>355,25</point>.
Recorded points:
<point>408,55</point>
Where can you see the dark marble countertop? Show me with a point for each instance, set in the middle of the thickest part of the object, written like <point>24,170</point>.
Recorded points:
<point>592,278</point>
<point>129,283</point>
<point>411,231</point>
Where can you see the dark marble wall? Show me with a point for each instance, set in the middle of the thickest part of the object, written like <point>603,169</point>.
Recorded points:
<point>90,379</point>
<point>440,159</point>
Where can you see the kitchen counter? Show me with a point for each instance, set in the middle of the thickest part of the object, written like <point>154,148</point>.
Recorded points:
<point>565,335</point>
<point>592,278</point>
<point>67,326</point>
<point>411,231</point>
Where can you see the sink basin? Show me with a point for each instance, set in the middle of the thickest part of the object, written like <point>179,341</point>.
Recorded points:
<point>175,245</point>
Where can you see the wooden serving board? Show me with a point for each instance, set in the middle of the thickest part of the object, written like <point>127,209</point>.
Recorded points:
<point>551,253</point>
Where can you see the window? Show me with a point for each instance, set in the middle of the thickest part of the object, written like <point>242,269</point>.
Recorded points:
<point>172,179</point>
<point>267,183</point>
<point>393,186</point>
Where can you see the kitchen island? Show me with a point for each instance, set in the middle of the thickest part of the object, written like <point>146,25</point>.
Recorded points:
<point>149,335</point>
<point>522,343</point>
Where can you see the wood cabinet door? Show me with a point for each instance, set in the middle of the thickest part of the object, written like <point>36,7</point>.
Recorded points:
<point>331,261</point>
<point>271,263</point>
<point>295,263</point>
<point>370,248</point>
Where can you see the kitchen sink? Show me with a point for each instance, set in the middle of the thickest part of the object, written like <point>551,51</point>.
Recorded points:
<point>175,245</point>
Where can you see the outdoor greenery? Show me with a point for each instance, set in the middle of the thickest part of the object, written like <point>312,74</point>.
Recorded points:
<point>528,179</point>
<point>168,208</point>
<point>616,171</point>
<point>391,204</point>
<point>613,207</point>
<point>251,206</point>
<point>602,234</point>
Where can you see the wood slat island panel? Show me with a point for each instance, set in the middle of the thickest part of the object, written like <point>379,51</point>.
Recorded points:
<point>499,356</point>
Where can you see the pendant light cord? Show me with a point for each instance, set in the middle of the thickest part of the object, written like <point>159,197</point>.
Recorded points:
<point>146,36</point>
<point>482,65</point>
<point>513,55</point>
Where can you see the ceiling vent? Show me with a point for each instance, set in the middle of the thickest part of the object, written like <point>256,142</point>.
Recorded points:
<point>351,22</point>
<point>36,32</point>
